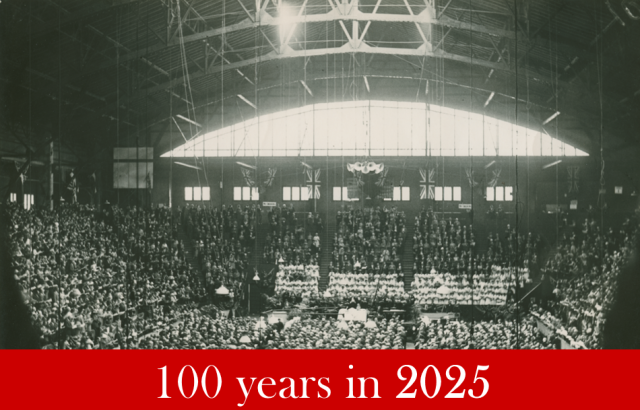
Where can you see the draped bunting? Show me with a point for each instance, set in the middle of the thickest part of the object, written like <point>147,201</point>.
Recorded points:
<point>573,179</point>
<point>365,167</point>
<point>494,180</point>
<point>313,182</point>
<point>271,176</point>
<point>427,183</point>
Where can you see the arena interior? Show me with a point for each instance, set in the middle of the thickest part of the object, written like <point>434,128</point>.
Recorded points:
<point>320,174</point>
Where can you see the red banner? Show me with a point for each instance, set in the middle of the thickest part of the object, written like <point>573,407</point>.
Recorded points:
<point>318,379</point>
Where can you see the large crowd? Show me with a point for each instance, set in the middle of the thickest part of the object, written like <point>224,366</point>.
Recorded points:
<point>584,273</point>
<point>366,257</point>
<point>90,277</point>
<point>291,240</point>
<point>368,240</point>
<point>123,278</point>
<point>492,334</point>
<point>223,239</point>
<point>449,270</point>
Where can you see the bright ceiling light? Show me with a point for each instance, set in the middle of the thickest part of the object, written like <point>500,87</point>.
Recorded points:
<point>285,14</point>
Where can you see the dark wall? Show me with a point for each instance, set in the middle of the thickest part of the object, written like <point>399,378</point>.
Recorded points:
<point>537,187</point>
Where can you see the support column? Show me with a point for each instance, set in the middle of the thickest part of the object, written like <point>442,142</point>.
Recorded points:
<point>49,176</point>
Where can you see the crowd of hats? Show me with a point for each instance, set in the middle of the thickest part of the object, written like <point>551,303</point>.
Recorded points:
<point>495,334</point>
<point>223,239</point>
<point>448,269</point>
<point>368,240</point>
<point>291,240</point>
<point>194,330</point>
<point>297,279</point>
<point>86,274</point>
<point>585,271</point>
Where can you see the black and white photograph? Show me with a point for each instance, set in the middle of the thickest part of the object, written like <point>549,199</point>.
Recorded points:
<point>320,174</point>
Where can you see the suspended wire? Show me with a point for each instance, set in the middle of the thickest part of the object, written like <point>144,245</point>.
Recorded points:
<point>59,290</point>
<point>517,246</point>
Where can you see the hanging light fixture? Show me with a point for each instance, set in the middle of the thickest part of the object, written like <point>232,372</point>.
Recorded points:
<point>493,93</point>
<point>242,164</point>
<point>187,165</point>
<point>552,164</point>
<point>548,120</point>
<point>256,277</point>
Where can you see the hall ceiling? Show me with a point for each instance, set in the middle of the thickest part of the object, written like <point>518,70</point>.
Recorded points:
<point>105,73</point>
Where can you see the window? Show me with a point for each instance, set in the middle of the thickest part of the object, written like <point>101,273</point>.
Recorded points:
<point>438,192</point>
<point>197,193</point>
<point>448,193</point>
<point>13,197</point>
<point>29,200</point>
<point>295,193</point>
<point>246,193</point>
<point>376,128</point>
<point>457,193</point>
<point>342,194</point>
<point>490,194</point>
<point>508,193</point>
<point>500,193</point>
<point>400,193</point>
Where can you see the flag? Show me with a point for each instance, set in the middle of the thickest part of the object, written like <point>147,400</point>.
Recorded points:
<point>383,178</point>
<point>427,183</point>
<point>494,180</point>
<point>471,177</point>
<point>247,174</point>
<point>313,182</point>
<point>271,176</point>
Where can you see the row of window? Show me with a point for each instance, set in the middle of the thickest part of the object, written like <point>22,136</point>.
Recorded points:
<point>500,193</point>
<point>374,128</point>
<point>197,193</point>
<point>27,199</point>
<point>246,193</point>
<point>446,194</point>
<point>295,193</point>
